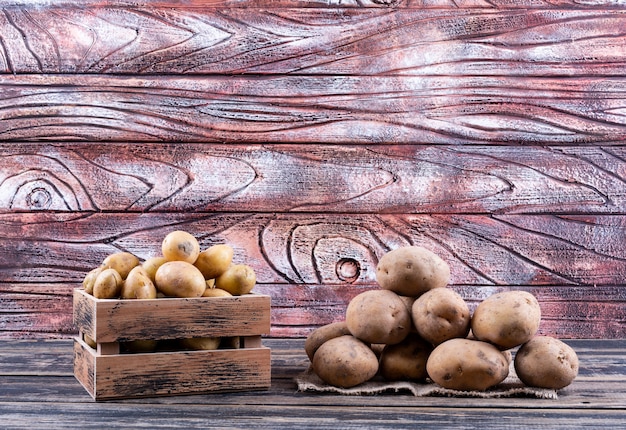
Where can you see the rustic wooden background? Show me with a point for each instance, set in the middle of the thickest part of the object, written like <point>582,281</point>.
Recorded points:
<point>314,136</point>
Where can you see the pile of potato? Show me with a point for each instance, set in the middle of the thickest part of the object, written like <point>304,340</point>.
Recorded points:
<point>414,328</point>
<point>183,270</point>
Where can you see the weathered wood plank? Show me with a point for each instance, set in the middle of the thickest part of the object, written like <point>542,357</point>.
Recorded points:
<point>335,4</point>
<point>371,41</point>
<point>328,249</point>
<point>312,109</point>
<point>292,178</point>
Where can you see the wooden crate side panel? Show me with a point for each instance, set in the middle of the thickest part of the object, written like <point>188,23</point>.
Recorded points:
<point>425,41</point>
<point>170,318</point>
<point>124,177</point>
<point>454,110</point>
<point>85,366</point>
<point>172,373</point>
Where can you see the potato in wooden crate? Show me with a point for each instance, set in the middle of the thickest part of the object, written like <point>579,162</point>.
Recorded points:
<point>106,371</point>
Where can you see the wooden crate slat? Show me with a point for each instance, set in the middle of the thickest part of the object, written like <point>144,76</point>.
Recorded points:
<point>115,320</point>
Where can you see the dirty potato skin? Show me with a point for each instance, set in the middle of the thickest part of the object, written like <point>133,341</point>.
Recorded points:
<point>467,365</point>
<point>108,284</point>
<point>546,362</point>
<point>507,319</point>
<point>122,262</point>
<point>322,334</point>
<point>378,316</point>
<point>345,362</point>
<point>405,361</point>
<point>441,314</point>
<point>411,271</point>
<point>180,279</point>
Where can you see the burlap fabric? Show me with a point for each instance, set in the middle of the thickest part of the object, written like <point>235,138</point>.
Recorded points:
<point>510,387</point>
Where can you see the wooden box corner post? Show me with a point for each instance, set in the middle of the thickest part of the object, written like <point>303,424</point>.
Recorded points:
<point>107,373</point>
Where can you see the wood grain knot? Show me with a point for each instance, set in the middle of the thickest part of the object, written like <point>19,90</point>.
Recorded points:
<point>348,270</point>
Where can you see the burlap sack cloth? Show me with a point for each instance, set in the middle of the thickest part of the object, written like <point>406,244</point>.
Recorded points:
<point>510,387</point>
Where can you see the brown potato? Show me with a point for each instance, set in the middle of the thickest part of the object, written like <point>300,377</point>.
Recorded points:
<point>467,365</point>
<point>546,362</point>
<point>107,285</point>
<point>320,335</point>
<point>138,285</point>
<point>411,271</point>
<point>122,262</point>
<point>405,361</point>
<point>180,246</point>
<point>441,314</point>
<point>507,319</point>
<point>345,362</point>
<point>378,316</point>
<point>238,279</point>
<point>180,279</point>
<point>215,260</point>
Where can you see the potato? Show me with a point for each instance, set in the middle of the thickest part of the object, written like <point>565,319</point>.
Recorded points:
<point>180,246</point>
<point>201,343</point>
<point>180,279</point>
<point>139,346</point>
<point>464,364</point>
<point>230,342</point>
<point>378,316</point>
<point>151,265</point>
<point>216,292</point>
<point>441,314</point>
<point>122,262</point>
<point>107,285</point>
<point>238,279</point>
<point>405,361</point>
<point>90,279</point>
<point>138,285</point>
<point>411,271</point>
<point>546,362</point>
<point>345,362</point>
<point>214,261</point>
<point>320,335</point>
<point>507,319</point>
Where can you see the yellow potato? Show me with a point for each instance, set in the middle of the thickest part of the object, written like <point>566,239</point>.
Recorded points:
<point>180,279</point>
<point>238,279</point>
<point>108,284</point>
<point>180,246</point>
<point>216,292</point>
<point>201,343</point>
<point>138,285</point>
<point>90,279</point>
<point>215,260</point>
<point>122,262</point>
<point>151,265</point>
<point>231,342</point>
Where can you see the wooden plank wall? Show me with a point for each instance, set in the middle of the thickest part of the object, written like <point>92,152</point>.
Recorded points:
<point>314,136</point>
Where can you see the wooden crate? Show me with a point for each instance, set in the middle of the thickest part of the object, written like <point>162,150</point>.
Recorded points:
<point>107,373</point>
